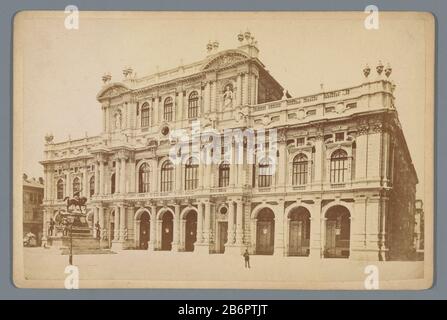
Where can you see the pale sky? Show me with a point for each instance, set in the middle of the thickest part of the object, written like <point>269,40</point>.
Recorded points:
<point>63,68</point>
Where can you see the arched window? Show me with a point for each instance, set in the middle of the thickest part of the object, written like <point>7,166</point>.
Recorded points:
<point>224,175</point>
<point>167,176</point>
<point>167,111</point>
<point>92,186</point>
<point>299,171</point>
<point>265,173</point>
<point>144,178</point>
<point>191,174</point>
<point>76,185</point>
<point>60,189</point>
<point>112,184</point>
<point>193,105</point>
<point>145,115</point>
<point>339,166</point>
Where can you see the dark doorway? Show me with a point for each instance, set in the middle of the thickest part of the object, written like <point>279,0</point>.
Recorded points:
<point>190,230</point>
<point>167,231</point>
<point>299,232</point>
<point>265,232</point>
<point>144,230</point>
<point>338,230</point>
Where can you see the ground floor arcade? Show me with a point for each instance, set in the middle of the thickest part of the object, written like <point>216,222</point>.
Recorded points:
<point>332,228</point>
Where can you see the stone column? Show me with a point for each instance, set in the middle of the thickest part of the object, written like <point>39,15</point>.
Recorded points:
<point>104,129</point>
<point>315,241</point>
<point>101,182</point>
<point>199,223</point>
<point>96,179</point>
<point>176,235</point>
<point>123,176</point>
<point>281,166</point>
<point>230,223</point>
<point>159,233</point>
<point>117,224</point>
<point>240,166</point>
<point>178,174</point>
<point>85,188</point>
<point>101,217</point>
<point>156,111</point>
<point>319,162</point>
<point>245,93</point>
<point>180,106</point>
<point>239,223</point>
<point>95,219</point>
<point>117,176</point>
<point>213,97</point>
<point>122,221</point>
<point>153,225</point>
<point>279,229</point>
<point>45,189</point>
<point>239,90</point>
<point>287,235</point>
<point>233,167</point>
<point>206,228</point>
<point>132,172</point>
<point>252,89</point>
<point>255,98</point>
<point>182,235</point>
<point>68,186</point>
<point>253,227</point>
<point>206,98</point>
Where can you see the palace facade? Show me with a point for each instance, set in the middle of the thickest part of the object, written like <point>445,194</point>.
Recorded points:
<point>343,183</point>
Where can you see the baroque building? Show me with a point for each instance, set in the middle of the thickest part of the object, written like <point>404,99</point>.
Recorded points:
<point>33,192</point>
<point>339,181</point>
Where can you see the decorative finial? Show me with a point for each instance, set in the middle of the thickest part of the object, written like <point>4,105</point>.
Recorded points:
<point>127,72</point>
<point>366,71</point>
<point>49,138</point>
<point>379,68</point>
<point>388,70</point>
<point>106,78</point>
<point>215,45</point>
<point>209,47</point>
<point>240,36</point>
<point>284,94</point>
<point>247,35</point>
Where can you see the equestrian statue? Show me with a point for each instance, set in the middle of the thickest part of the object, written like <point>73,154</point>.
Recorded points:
<point>76,201</point>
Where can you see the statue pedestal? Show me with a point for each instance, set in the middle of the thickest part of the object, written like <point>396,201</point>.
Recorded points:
<point>73,231</point>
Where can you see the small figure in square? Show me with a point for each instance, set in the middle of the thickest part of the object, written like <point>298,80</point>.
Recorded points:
<point>98,230</point>
<point>51,227</point>
<point>247,259</point>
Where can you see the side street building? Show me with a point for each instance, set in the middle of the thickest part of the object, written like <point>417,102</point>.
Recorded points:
<point>33,191</point>
<point>339,182</point>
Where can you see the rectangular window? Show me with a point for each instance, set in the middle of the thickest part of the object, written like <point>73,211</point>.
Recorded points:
<point>340,136</point>
<point>300,142</point>
<point>265,175</point>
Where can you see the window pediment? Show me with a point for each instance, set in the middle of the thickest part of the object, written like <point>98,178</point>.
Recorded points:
<point>224,60</point>
<point>111,91</point>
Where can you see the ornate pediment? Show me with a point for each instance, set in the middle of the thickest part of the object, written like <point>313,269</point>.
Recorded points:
<point>112,91</point>
<point>224,60</point>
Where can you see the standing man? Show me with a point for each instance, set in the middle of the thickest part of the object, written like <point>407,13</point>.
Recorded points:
<point>98,230</point>
<point>247,259</point>
<point>51,227</point>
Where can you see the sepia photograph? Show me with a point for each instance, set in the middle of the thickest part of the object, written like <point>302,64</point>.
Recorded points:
<point>245,150</point>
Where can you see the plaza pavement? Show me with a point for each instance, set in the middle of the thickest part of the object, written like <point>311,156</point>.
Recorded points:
<point>186,269</point>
